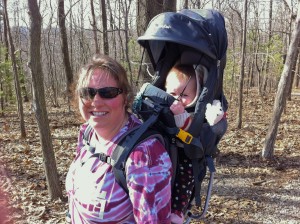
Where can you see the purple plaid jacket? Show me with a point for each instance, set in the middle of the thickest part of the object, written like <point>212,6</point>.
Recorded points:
<point>96,197</point>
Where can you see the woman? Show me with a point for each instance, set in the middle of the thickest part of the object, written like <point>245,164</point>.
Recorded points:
<point>104,97</point>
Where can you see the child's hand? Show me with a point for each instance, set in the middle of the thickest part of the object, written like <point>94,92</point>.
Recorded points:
<point>177,107</point>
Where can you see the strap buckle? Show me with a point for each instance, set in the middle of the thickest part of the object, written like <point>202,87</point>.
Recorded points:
<point>184,136</point>
<point>103,157</point>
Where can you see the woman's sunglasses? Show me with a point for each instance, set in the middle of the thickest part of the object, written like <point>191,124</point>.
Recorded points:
<point>89,93</point>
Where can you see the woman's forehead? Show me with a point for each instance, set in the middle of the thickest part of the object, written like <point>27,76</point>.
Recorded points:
<point>101,77</point>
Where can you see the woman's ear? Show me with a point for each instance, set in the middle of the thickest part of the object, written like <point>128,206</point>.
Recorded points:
<point>126,101</point>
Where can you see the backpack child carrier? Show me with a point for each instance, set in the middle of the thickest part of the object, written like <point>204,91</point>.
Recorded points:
<point>191,37</point>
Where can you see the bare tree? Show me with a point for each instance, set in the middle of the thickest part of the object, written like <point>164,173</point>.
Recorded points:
<point>18,53</point>
<point>125,10</point>
<point>49,49</point>
<point>266,70</point>
<point>6,72</point>
<point>170,5</point>
<point>79,49</point>
<point>1,89</point>
<point>297,75</point>
<point>185,4</point>
<point>284,84</point>
<point>256,43</point>
<point>94,25</point>
<point>39,104</point>
<point>233,34</point>
<point>71,39</point>
<point>15,72</point>
<point>112,27</point>
<point>241,80</point>
<point>104,25</point>
<point>294,69</point>
<point>146,10</point>
<point>64,44</point>
<point>202,3</point>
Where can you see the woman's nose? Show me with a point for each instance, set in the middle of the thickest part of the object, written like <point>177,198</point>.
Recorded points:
<point>97,99</point>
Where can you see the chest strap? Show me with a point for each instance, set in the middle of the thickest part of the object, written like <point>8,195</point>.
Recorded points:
<point>101,156</point>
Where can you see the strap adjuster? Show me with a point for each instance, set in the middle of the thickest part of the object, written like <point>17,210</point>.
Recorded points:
<point>184,136</point>
<point>103,157</point>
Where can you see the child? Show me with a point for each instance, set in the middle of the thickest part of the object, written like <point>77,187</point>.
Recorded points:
<point>181,84</point>
<point>184,85</point>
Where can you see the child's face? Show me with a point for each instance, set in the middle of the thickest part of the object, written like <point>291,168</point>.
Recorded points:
<point>175,86</point>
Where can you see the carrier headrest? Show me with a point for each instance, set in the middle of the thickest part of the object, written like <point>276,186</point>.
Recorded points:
<point>192,57</point>
<point>201,76</point>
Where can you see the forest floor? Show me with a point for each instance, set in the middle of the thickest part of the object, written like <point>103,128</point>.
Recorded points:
<point>247,189</point>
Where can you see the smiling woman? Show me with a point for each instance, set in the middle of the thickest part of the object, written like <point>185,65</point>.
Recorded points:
<point>104,96</point>
<point>105,112</point>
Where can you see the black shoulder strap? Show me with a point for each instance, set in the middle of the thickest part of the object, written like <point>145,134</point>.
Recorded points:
<point>126,145</point>
<point>124,149</point>
<point>101,156</point>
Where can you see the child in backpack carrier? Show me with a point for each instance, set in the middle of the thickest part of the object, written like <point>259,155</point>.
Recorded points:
<point>184,85</point>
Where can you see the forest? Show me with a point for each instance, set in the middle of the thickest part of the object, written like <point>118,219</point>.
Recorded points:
<point>44,43</point>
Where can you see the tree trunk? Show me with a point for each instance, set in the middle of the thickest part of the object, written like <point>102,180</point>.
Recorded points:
<point>9,91</point>
<point>241,80</point>
<point>1,78</point>
<point>1,100</point>
<point>185,4</point>
<point>18,53</point>
<point>170,5</point>
<point>71,39</point>
<point>297,76</point>
<point>284,84</point>
<point>266,80</point>
<point>15,72</point>
<point>104,24</point>
<point>126,9</point>
<point>64,45</point>
<point>83,54</point>
<point>51,66</point>
<point>39,104</point>
<point>294,69</point>
<point>258,69</point>
<point>112,26</point>
<point>94,25</point>
<point>232,79</point>
<point>146,10</point>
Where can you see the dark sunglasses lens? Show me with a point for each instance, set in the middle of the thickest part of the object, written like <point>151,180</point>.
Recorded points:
<point>88,93</point>
<point>109,92</point>
<point>92,92</point>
